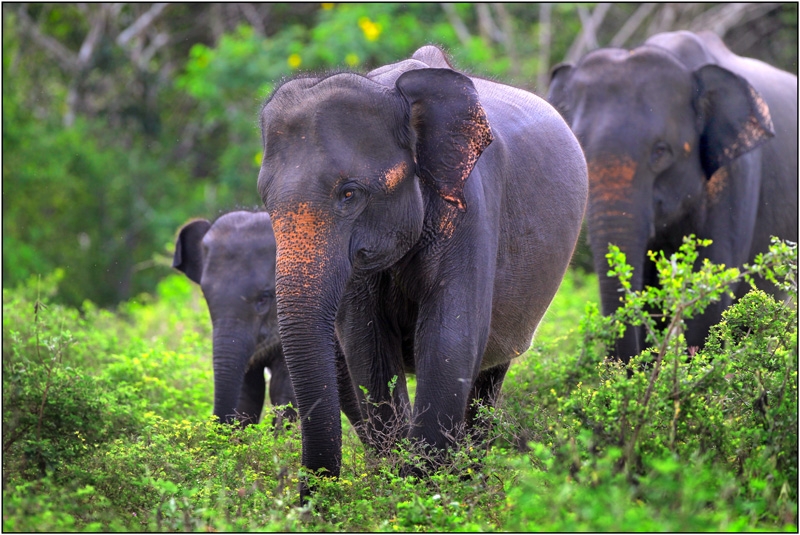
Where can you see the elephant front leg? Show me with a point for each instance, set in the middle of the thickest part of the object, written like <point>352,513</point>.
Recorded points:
<point>370,339</point>
<point>451,338</point>
<point>251,398</point>
<point>281,393</point>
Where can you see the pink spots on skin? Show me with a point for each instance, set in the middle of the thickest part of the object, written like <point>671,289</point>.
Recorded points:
<point>470,142</point>
<point>717,183</point>
<point>301,235</point>
<point>757,129</point>
<point>610,185</point>
<point>395,175</point>
<point>447,222</point>
<point>611,179</point>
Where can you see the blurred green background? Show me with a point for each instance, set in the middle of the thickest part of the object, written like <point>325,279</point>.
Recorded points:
<point>121,121</point>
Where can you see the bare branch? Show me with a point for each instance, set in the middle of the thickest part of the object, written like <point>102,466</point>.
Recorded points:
<point>663,20</point>
<point>589,37</point>
<point>141,24</point>
<point>253,18</point>
<point>507,33</point>
<point>93,37</point>
<point>722,18</point>
<point>632,24</point>
<point>579,45</point>
<point>458,25</point>
<point>486,25</point>
<point>156,43</point>
<point>67,59</point>
<point>542,77</point>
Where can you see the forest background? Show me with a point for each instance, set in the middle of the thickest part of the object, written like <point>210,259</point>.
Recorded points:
<point>123,120</point>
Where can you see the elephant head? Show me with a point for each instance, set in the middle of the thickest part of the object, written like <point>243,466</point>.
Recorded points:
<point>233,261</point>
<point>659,137</point>
<point>350,168</point>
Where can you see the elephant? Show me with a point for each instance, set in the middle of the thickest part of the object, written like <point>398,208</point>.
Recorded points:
<point>233,261</point>
<point>681,137</point>
<point>424,220</point>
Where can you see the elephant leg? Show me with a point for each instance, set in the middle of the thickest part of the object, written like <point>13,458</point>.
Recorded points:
<point>251,398</point>
<point>485,392</point>
<point>281,392</point>
<point>347,395</point>
<point>450,340</point>
<point>372,345</point>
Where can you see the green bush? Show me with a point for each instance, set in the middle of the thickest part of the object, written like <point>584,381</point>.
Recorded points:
<point>679,439</point>
<point>106,424</point>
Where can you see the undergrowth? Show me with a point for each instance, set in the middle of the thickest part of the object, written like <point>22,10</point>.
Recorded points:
<point>106,423</point>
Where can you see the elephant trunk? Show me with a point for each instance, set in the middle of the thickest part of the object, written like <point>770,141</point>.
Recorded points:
<point>311,272</point>
<point>233,346</point>
<point>621,215</point>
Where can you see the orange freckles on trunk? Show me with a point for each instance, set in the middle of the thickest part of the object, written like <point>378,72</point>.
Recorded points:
<point>611,179</point>
<point>302,256</point>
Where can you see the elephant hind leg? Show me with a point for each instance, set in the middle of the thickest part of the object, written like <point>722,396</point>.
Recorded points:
<point>484,393</point>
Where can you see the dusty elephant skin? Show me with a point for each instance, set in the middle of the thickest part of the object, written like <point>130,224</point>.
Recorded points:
<point>424,220</point>
<point>682,137</point>
<point>233,260</point>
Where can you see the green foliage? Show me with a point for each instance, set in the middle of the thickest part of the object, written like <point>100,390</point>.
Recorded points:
<point>229,81</point>
<point>680,439</point>
<point>105,155</point>
<point>106,424</point>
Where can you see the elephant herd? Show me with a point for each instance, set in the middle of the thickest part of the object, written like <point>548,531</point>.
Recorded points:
<point>421,220</point>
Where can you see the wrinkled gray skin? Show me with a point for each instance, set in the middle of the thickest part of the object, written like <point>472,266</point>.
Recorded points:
<point>423,218</point>
<point>682,137</point>
<point>233,261</point>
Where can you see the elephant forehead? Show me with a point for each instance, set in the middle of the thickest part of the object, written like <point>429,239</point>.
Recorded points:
<point>645,75</point>
<point>611,178</point>
<point>348,129</point>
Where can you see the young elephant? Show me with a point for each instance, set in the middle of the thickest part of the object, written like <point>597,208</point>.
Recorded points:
<point>682,136</point>
<point>424,220</point>
<point>233,260</point>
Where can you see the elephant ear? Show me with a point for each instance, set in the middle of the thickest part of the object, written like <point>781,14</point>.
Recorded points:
<point>556,94</point>
<point>450,125</point>
<point>732,117</point>
<point>188,251</point>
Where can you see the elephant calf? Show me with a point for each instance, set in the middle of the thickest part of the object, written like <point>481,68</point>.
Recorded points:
<point>233,260</point>
<point>682,136</point>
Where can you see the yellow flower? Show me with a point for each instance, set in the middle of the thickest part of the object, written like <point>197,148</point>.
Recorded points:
<point>327,6</point>
<point>351,59</point>
<point>371,30</point>
<point>294,60</point>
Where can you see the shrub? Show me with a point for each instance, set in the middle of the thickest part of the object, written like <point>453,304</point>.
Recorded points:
<point>106,424</point>
<point>691,440</point>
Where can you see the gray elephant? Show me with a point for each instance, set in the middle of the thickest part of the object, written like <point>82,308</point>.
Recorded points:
<point>233,261</point>
<point>681,137</point>
<point>424,219</point>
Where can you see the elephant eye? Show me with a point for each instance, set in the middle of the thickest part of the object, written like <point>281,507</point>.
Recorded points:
<point>349,193</point>
<point>661,156</point>
<point>264,301</point>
